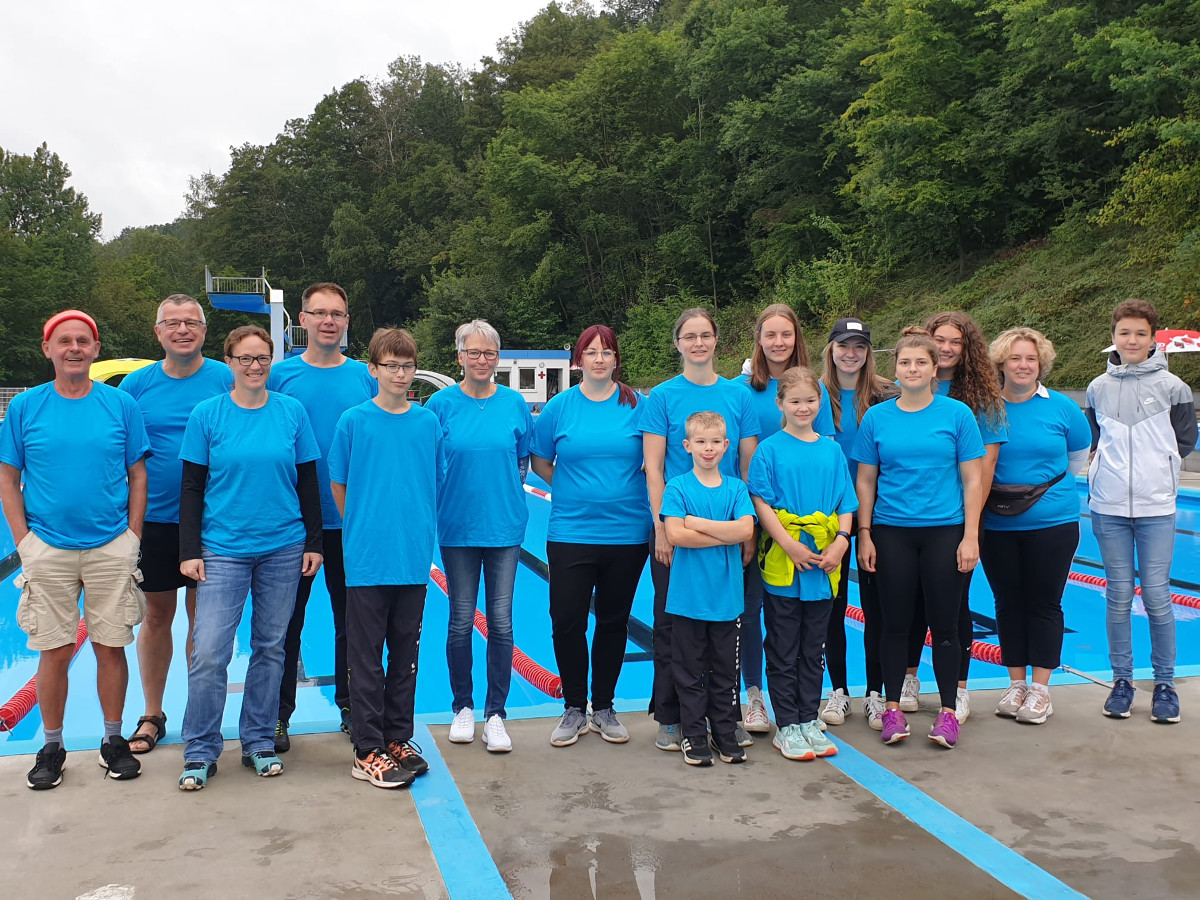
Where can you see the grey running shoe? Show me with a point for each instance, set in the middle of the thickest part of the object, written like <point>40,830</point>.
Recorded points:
<point>742,736</point>
<point>606,723</point>
<point>910,694</point>
<point>668,737</point>
<point>572,724</point>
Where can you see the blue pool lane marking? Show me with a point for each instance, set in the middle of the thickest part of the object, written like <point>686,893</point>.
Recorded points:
<point>975,845</point>
<point>466,865</point>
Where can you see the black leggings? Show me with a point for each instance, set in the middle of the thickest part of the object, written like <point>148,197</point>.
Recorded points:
<point>835,640</point>
<point>966,630</point>
<point>915,564</point>
<point>1028,571</point>
<point>612,571</point>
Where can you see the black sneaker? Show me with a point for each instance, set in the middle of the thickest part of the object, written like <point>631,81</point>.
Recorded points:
<point>283,741</point>
<point>381,770</point>
<point>346,722</point>
<point>115,756</point>
<point>728,748</point>
<point>47,768</point>
<point>407,755</point>
<point>696,752</point>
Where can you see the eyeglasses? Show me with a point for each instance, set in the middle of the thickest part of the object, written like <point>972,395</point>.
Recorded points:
<point>336,314</point>
<point>489,355</point>
<point>598,354</point>
<point>247,361</point>
<point>393,368</point>
<point>692,338</point>
<point>189,324</point>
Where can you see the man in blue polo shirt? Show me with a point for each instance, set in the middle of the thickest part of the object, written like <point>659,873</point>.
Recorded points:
<point>80,446</point>
<point>166,393</point>
<point>327,383</point>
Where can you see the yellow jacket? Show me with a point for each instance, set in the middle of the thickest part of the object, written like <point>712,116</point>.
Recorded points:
<point>776,566</point>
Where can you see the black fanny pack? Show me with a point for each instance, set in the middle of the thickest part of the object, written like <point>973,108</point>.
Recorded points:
<point>1014,499</point>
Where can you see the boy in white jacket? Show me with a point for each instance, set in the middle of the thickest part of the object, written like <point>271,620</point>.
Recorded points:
<point>1143,423</point>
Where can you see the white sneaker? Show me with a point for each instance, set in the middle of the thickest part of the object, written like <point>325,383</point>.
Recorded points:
<point>910,693</point>
<point>962,706</point>
<point>756,716</point>
<point>462,729</point>
<point>495,736</point>
<point>1012,699</point>
<point>837,707</point>
<point>873,707</point>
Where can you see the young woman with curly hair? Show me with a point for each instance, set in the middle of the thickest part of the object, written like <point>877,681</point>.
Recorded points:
<point>965,373</point>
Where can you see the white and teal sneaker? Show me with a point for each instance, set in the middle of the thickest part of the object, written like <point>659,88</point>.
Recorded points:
<point>821,745</point>
<point>789,740</point>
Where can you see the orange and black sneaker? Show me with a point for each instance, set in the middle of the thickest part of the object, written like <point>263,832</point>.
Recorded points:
<point>407,755</point>
<point>378,768</point>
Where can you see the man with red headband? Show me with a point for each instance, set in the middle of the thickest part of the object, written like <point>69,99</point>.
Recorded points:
<point>77,525</point>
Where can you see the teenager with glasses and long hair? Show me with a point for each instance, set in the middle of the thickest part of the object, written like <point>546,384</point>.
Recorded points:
<point>918,523</point>
<point>853,387</point>
<point>663,425</point>
<point>587,446</point>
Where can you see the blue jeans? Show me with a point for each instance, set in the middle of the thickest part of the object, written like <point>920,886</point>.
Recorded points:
<point>220,600</point>
<point>499,567</point>
<point>1153,539</point>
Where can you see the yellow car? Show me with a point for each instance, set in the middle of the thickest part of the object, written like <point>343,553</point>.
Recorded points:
<point>111,371</point>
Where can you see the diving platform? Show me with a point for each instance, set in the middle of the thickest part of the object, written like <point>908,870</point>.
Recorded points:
<point>252,295</point>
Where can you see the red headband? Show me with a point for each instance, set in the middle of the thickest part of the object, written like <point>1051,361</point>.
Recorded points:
<point>65,316</point>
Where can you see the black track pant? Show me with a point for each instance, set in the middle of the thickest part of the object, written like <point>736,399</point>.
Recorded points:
<point>794,648</point>
<point>381,703</point>
<point>335,582</point>
<point>915,564</point>
<point>576,570</point>
<point>664,701</point>
<point>1028,571</point>
<point>835,639</point>
<point>705,665</point>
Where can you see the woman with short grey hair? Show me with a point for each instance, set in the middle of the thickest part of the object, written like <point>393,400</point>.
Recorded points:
<point>481,523</point>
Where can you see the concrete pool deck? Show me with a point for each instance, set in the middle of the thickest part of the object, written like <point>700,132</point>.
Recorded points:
<point>1080,806</point>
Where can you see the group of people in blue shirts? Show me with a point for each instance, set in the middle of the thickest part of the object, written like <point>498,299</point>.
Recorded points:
<point>247,479</point>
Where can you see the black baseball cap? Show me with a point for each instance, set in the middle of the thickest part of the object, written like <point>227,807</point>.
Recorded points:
<point>848,328</point>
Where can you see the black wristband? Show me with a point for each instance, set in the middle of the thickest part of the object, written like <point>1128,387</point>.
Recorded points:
<point>844,534</point>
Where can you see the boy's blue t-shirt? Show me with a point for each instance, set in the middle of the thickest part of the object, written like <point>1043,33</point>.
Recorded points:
<point>770,417</point>
<point>166,404</point>
<point>325,394</point>
<point>918,454</point>
<point>1041,432</point>
<point>384,458</point>
<point>74,454</point>
<point>802,477</point>
<point>599,491</point>
<point>671,402</point>
<point>706,582</point>
<point>251,506</point>
<point>482,502</point>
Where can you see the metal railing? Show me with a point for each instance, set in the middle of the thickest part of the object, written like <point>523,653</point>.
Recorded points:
<point>229,284</point>
<point>6,395</point>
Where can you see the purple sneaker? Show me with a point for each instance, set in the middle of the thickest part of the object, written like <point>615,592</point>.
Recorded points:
<point>895,726</point>
<point>945,730</point>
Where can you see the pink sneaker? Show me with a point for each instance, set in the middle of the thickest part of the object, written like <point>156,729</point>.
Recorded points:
<point>945,730</point>
<point>895,726</point>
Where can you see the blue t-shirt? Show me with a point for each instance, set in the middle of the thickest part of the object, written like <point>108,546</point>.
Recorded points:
<point>74,455</point>
<point>251,507</point>
<point>770,417</point>
<point>918,454</point>
<point>847,430</point>
<point>325,395</point>
<point>1041,432</point>
<point>599,494</point>
<point>669,405</point>
<point>992,433</point>
<point>166,403</point>
<point>802,477</point>
<point>482,502</point>
<point>378,454</point>
<point>706,582</point>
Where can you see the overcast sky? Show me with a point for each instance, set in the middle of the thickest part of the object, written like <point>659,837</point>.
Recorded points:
<point>135,96</point>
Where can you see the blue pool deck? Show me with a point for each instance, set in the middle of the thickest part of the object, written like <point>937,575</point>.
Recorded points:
<point>1080,807</point>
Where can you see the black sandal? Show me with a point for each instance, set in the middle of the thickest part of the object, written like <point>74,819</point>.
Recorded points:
<point>151,740</point>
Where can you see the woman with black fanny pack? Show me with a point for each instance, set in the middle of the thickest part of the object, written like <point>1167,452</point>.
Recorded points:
<point>1031,519</point>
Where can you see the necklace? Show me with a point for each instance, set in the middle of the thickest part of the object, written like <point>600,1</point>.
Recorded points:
<point>480,406</point>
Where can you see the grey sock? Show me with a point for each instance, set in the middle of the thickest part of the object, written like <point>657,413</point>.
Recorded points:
<point>111,730</point>
<point>54,736</point>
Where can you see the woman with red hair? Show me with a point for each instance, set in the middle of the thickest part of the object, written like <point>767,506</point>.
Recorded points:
<point>587,446</point>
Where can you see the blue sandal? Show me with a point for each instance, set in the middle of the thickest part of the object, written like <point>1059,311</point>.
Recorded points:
<point>264,763</point>
<point>195,775</point>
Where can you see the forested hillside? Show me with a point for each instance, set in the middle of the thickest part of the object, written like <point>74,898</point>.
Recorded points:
<point>1031,161</point>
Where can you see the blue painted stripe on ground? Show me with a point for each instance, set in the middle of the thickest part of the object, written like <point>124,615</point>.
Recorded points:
<point>467,868</point>
<point>973,844</point>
